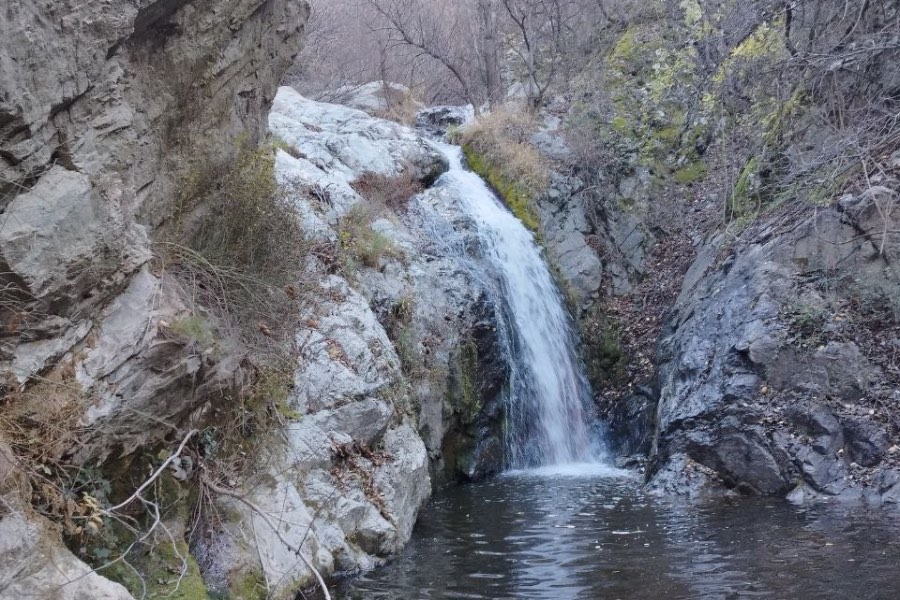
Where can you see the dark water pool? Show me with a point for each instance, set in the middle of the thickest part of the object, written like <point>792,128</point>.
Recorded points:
<point>557,537</point>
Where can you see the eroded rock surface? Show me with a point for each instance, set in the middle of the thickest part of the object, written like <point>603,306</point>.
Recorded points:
<point>399,376</point>
<point>106,110</point>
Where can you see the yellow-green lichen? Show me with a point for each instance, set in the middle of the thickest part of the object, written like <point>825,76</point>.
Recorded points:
<point>648,81</point>
<point>744,199</point>
<point>166,571</point>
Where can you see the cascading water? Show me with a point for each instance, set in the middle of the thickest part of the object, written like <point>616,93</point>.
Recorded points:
<point>550,419</point>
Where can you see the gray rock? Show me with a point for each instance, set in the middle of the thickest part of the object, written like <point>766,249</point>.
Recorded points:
<point>352,395</point>
<point>347,143</point>
<point>437,120</point>
<point>365,421</point>
<point>866,441</point>
<point>94,142</point>
<point>375,97</point>
<point>750,385</point>
<point>34,564</point>
<point>56,219</point>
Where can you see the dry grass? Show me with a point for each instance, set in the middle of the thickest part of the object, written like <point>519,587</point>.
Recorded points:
<point>402,107</point>
<point>360,244</point>
<point>497,148</point>
<point>41,422</point>
<point>501,136</point>
<point>239,249</point>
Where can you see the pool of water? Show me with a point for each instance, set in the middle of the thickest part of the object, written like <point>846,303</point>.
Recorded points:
<point>593,534</point>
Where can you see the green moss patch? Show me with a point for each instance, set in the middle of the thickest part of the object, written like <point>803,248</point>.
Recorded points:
<point>691,173</point>
<point>515,196</point>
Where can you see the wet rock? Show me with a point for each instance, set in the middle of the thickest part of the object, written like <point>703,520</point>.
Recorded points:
<point>438,120</point>
<point>752,382</point>
<point>682,476</point>
<point>631,422</point>
<point>866,441</point>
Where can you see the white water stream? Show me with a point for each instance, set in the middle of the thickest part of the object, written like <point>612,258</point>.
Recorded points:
<point>550,420</point>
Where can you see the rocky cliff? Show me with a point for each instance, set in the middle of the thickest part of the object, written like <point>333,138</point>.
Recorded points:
<point>742,304</point>
<point>399,367</point>
<point>106,110</point>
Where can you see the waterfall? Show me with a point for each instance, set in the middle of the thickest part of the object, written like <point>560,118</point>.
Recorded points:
<point>550,416</point>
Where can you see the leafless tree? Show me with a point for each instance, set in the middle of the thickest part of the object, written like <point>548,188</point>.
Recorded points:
<point>539,29</point>
<point>435,31</point>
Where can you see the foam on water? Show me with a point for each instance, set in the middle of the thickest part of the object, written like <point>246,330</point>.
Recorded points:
<point>592,470</point>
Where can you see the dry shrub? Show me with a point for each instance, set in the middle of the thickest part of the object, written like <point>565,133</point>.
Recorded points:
<point>502,138</point>
<point>241,250</point>
<point>42,426</point>
<point>42,422</point>
<point>249,225</point>
<point>245,424</point>
<point>391,191</point>
<point>402,106</point>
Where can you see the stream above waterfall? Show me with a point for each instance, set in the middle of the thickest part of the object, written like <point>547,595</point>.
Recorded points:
<point>545,536</point>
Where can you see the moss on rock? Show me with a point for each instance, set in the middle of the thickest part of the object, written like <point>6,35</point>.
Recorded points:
<point>248,586</point>
<point>603,355</point>
<point>516,196</point>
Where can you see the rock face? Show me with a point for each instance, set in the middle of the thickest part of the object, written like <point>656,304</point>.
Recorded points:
<point>399,375</point>
<point>35,564</point>
<point>93,144</point>
<point>771,372</point>
<point>439,120</point>
<point>375,98</point>
<point>106,109</point>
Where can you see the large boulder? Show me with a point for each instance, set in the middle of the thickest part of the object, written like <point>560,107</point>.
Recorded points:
<point>34,564</point>
<point>771,374</point>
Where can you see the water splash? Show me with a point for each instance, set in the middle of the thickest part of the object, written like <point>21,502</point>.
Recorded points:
<point>551,419</point>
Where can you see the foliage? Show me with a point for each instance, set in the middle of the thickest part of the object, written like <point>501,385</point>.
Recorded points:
<point>237,245</point>
<point>195,328</point>
<point>361,244</point>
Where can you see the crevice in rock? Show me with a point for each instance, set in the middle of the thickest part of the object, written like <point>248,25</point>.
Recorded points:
<point>66,103</point>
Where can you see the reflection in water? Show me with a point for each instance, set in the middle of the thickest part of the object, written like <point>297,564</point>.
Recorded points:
<point>558,537</point>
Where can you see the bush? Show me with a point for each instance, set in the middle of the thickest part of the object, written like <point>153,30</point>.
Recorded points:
<point>391,191</point>
<point>402,106</point>
<point>237,243</point>
<point>249,225</point>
